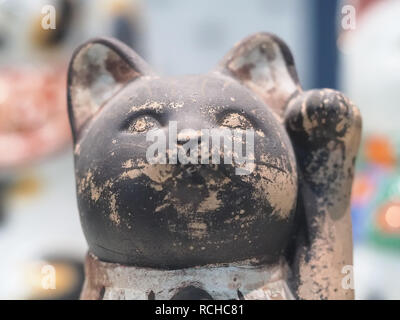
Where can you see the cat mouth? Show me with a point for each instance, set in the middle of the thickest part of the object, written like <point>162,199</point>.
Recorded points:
<point>193,174</point>
<point>200,174</point>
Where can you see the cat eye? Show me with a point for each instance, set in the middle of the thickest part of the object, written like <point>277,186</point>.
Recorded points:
<point>235,120</point>
<point>142,124</point>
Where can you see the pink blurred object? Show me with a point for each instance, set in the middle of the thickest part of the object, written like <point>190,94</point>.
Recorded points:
<point>33,114</point>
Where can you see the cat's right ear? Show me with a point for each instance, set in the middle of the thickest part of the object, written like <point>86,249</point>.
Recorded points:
<point>98,70</point>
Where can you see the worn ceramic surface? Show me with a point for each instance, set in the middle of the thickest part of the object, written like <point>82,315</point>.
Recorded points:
<point>291,208</point>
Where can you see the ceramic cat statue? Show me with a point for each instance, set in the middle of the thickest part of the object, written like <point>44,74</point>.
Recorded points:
<point>234,184</point>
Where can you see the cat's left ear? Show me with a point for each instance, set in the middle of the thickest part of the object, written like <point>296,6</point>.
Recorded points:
<point>97,71</point>
<point>264,64</point>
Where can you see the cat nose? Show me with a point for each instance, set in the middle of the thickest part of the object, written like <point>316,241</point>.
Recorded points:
<point>182,138</point>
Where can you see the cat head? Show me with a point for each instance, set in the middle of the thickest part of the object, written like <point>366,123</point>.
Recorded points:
<point>145,196</point>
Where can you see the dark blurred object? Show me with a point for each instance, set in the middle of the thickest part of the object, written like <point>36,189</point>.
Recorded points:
<point>126,24</point>
<point>325,49</point>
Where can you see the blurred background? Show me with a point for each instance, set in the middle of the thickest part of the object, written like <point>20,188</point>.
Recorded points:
<point>353,46</point>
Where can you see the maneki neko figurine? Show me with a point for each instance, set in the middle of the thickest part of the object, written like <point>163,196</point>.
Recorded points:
<point>234,184</point>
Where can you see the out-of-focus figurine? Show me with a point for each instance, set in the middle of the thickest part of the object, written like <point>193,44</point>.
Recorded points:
<point>271,224</point>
